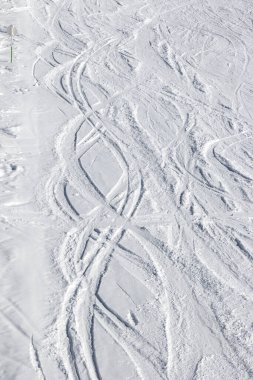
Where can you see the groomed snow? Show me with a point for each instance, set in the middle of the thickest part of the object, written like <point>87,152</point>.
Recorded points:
<point>126,190</point>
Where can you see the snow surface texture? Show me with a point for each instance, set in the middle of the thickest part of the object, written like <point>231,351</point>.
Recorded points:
<point>126,171</point>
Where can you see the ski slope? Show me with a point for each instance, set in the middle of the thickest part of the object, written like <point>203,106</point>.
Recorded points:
<point>126,190</point>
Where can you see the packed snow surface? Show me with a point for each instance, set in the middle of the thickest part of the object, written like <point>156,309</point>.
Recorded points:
<point>126,189</point>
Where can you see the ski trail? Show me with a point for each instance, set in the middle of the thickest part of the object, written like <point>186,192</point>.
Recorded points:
<point>149,189</point>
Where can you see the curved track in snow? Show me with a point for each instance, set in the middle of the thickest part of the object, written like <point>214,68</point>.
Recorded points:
<point>153,185</point>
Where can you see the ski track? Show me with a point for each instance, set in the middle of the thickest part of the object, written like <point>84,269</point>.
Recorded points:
<point>153,186</point>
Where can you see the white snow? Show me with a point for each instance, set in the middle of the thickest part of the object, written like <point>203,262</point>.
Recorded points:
<point>126,190</point>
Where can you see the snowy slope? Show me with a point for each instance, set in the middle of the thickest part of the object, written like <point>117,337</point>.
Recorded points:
<point>126,173</point>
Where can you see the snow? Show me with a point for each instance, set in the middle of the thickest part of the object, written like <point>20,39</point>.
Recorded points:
<point>126,172</point>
